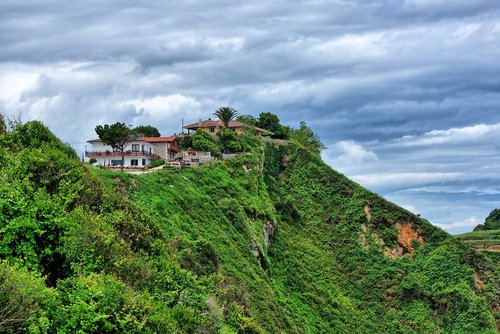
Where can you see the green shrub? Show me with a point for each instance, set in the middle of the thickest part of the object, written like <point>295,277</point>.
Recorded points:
<point>23,300</point>
<point>157,163</point>
<point>201,258</point>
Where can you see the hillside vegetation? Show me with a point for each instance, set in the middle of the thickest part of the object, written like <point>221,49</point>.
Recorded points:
<point>485,241</point>
<point>272,241</point>
<point>486,237</point>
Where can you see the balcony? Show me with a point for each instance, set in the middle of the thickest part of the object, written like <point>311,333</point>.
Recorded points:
<point>173,149</point>
<point>110,154</point>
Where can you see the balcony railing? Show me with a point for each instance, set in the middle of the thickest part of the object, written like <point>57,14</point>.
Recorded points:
<point>173,148</point>
<point>105,154</point>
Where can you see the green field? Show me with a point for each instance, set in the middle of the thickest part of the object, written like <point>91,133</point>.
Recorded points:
<point>486,239</point>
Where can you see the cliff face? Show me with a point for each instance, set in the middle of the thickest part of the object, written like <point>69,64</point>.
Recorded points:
<point>273,241</point>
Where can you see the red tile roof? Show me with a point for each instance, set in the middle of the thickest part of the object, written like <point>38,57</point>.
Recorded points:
<point>211,123</point>
<point>202,124</point>
<point>159,139</point>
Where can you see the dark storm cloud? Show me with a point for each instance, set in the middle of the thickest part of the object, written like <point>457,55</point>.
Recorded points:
<point>387,85</point>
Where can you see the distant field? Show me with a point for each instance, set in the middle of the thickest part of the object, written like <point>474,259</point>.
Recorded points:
<point>487,241</point>
<point>491,234</point>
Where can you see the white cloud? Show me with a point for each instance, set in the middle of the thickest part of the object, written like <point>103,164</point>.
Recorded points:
<point>451,136</point>
<point>14,80</point>
<point>405,179</point>
<point>468,223</point>
<point>410,208</point>
<point>353,152</point>
<point>167,112</point>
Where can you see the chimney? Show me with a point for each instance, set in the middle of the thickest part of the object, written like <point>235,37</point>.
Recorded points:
<point>199,123</point>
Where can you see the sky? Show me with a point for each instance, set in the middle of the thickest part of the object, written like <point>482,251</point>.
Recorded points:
<point>405,94</point>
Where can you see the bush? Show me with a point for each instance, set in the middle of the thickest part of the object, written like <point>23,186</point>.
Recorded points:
<point>185,141</point>
<point>203,141</point>
<point>23,296</point>
<point>229,141</point>
<point>156,163</point>
<point>201,258</point>
<point>101,304</point>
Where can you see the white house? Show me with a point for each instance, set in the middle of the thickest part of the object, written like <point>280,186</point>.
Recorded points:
<point>138,153</point>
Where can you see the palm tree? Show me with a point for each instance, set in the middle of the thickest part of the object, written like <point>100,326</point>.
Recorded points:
<point>226,114</point>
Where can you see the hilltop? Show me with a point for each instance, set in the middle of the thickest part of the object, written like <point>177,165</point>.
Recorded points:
<point>272,241</point>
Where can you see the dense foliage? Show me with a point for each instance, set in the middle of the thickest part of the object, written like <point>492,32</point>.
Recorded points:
<point>146,131</point>
<point>272,241</point>
<point>271,122</point>
<point>247,119</point>
<point>492,222</point>
<point>3,125</point>
<point>307,138</point>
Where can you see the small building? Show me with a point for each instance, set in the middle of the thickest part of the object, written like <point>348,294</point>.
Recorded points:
<point>214,127</point>
<point>167,147</point>
<point>138,153</point>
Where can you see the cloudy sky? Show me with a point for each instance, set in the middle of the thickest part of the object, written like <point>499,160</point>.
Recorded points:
<point>404,93</point>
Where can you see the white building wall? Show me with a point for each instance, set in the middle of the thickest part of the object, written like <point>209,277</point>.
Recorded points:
<point>142,161</point>
<point>108,161</point>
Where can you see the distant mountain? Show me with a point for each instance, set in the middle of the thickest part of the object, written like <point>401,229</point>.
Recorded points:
<point>271,241</point>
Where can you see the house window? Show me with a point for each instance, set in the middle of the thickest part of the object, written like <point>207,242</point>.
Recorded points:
<point>143,148</point>
<point>135,147</point>
<point>116,162</point>
<point>134,162</point>
<point>211,130</point>
<point>144,162</point>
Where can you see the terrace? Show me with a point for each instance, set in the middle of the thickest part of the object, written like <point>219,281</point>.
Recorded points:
<point>128,153</point>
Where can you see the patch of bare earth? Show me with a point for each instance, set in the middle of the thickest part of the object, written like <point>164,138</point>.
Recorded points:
<point>362,238</point>
<point>407,235</point>
<point>367,213</point>
<point>478,282</point>
<point>364,242</point>
<point>491,248</point>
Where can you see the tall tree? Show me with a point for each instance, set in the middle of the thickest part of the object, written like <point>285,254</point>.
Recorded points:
<point>271,122</point>
<point>305,136</point>
<point>226,115</point>
<point>116,135</point>
<point>247,119</point>
<point>146,131</point>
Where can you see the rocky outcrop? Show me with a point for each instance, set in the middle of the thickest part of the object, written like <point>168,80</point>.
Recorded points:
<point>268,233</point>
<point>407,235</point>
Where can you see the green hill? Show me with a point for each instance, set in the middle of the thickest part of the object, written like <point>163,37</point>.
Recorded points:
<point>273,241</point>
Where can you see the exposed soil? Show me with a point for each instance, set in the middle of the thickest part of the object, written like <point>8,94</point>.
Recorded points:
<point>367,212</point>
<point>393,253</point>
<point>491,248</point>
<point>407,235</point>
<point>478,282</point>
